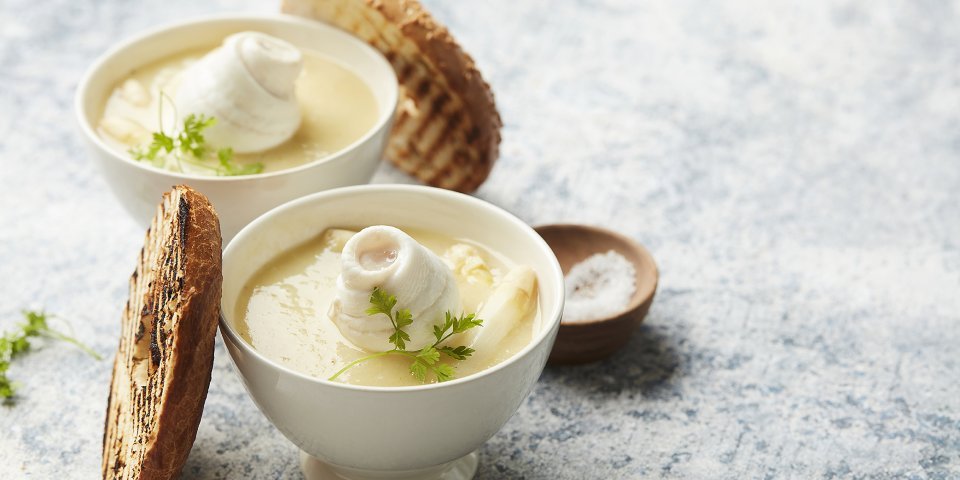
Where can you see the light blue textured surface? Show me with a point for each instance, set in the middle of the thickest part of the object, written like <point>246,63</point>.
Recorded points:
<point>793,166</point>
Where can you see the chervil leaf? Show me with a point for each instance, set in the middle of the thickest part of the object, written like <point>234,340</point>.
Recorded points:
<point>443,372</point>
<point>15,344</point>
<point>225,155</point>
<point>403,318</point>
<point>449,321</point>
<point>429,355</point>
<point>460,353</point>
<point>161,141</point>
<point>427,358</point>
<point>463,324</point>
<point>190,146</point>
<point>191,137</point>
<point>193,125</point>
<point>419,370</point>
<point>7,389</point>
<point>19,345</point>
<point>249,169</point>
<point>228,168</point>
<point>399,338</point>
<point>381,302</point>
<point>36,323</point>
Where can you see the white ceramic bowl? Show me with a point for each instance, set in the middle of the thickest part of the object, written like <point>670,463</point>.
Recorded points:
<point>238,200</point>
<point>390,432</point>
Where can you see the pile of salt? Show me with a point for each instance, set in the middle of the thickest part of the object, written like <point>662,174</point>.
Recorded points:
<point>598,287</point>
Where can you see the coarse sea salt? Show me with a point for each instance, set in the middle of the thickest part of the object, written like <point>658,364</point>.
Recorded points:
<point>598,287</point>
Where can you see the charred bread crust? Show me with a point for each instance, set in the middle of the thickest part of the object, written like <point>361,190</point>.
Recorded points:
<point>163,365</point>
<point>447,129</point>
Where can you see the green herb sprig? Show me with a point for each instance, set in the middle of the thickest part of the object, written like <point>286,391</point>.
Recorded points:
<point>427,359</point>
<point>190,146</point>
<point>15,344</point>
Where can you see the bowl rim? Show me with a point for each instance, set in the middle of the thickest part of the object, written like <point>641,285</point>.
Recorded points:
<point>443,195</point>
<point>134,41</point>
<point>636,301</point>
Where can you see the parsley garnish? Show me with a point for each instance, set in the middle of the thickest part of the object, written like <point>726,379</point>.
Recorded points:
<point>427,359</point>
<point>191,147</point>
<point>16,343</point>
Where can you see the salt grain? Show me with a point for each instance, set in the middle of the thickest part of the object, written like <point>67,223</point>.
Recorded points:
<point>598,287</point>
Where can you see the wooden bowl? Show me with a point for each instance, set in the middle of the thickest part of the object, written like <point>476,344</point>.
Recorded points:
<point>592,340</point>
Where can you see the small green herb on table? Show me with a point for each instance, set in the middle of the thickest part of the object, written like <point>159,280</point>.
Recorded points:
<point>16,343</point>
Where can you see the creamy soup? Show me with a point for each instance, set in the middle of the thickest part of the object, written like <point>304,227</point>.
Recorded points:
<point>337,108</point>
<point>284,312</point>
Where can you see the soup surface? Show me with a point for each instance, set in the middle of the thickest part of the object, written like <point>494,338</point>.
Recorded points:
<point>283,313</point>
<point>337,108</point>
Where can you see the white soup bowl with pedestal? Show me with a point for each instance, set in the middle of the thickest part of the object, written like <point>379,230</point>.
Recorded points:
<point>364,432</point>
<point>238,199</point>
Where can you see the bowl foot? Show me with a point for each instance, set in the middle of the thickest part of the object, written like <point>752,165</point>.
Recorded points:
<point>462,468</point>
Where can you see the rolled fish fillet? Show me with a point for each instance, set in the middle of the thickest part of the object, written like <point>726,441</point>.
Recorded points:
<point>511,301</point>
<point>385,257</point>
<point>247,85</point>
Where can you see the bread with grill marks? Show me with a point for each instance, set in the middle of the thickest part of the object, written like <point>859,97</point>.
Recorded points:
<point>162,369</point>
<point>447,129</point>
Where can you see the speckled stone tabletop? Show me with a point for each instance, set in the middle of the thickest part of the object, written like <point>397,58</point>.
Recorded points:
<point>793,166</point>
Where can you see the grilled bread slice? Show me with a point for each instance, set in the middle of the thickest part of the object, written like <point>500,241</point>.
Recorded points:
<point>447,130</point>
<point>162,369</point>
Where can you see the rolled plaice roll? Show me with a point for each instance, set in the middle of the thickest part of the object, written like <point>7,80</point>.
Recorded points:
<point>247,85</point>
<point>385,257</point>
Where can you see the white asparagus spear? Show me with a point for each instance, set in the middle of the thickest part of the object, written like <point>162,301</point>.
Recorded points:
<point>511,301</point>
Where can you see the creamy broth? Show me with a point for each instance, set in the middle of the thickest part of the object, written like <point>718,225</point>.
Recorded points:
<point>283,309</point>
<point>337,108</point>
